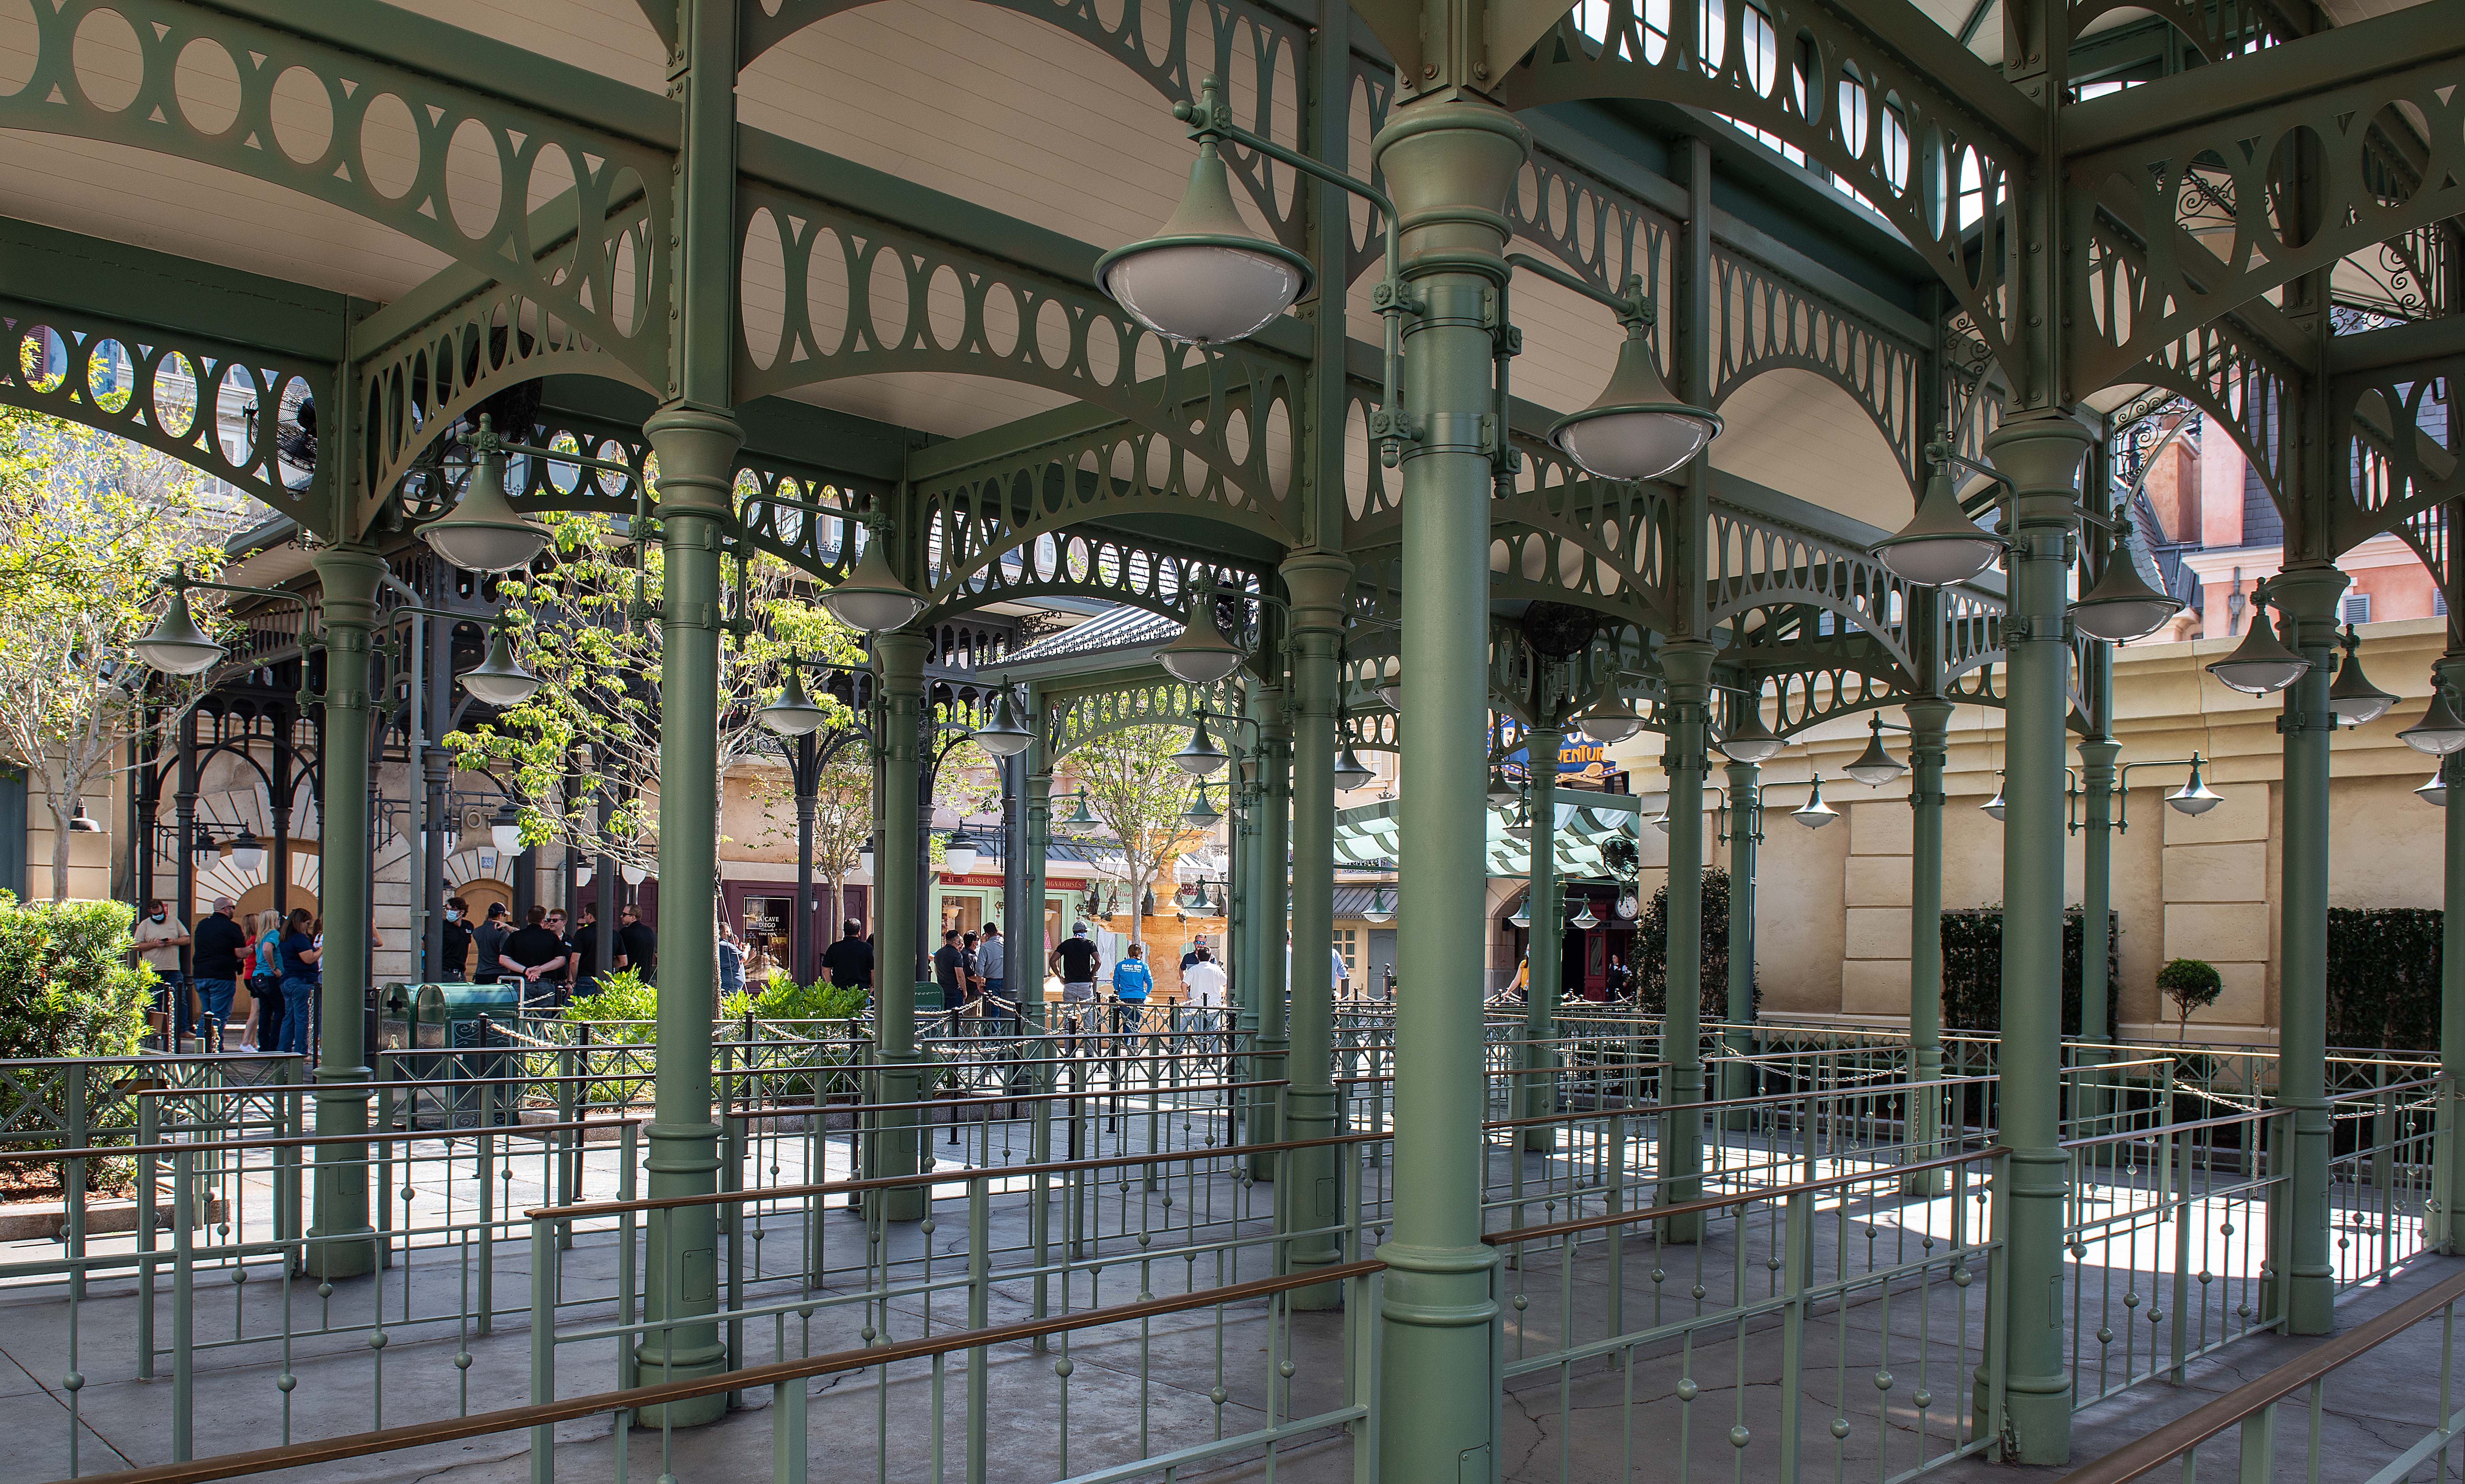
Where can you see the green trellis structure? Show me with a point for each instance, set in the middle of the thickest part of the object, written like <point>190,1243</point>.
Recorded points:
<point>2060,242</point>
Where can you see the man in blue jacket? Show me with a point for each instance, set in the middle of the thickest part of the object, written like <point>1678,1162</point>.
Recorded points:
<point>1131,986</point>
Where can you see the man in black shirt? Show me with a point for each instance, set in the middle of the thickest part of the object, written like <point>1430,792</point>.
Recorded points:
<point>584,975</point>
<point>457,950</point>
<point>949,969</point>
<point>489,939</point>
<point>849,961</point>
<point>637,946</point>
<point>214,957</point>
<point>536,954</point>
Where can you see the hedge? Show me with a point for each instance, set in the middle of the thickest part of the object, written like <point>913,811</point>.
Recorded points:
<point>2384,966</point>
<point>1973,969</point>
<point>1651,950</point>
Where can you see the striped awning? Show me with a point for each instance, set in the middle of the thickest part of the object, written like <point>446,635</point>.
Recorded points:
<point>1367,833</point>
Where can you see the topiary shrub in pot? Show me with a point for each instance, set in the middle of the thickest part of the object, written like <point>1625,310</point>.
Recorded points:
<point>2190,984</point>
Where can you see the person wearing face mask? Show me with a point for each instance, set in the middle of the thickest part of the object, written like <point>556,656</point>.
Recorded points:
<point>158,940</point>
<point>457,949</point>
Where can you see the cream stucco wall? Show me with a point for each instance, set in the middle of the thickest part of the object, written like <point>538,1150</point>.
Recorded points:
<point>1832,922</point>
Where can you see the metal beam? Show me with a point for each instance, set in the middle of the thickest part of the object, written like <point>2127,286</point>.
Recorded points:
<point>470,60</point>
<point>180,295</point>
<point>2397,347</point>
<point>2424,40</point>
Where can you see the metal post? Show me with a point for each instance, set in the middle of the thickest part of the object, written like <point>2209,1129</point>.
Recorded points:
<point>2307,601</point>
<point>1929,743</point>
<point>2097,755</point>
<point>348,577</point>
<point>2042,453</point>
<point>1269,955</point>
<point>1318,582</point>
<point>898,908</point>
<point>808,774</point>
<point>1449,162</point>
<point>1546,984</point>
<point>1026,953</point>
<point>1688,665</point>
<point>2448,1170</point>
<point>697,453</point>
<point>1745,834</point>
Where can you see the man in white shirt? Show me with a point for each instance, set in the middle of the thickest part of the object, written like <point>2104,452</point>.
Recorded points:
<point>157,939</point>
<point>1201,982</point>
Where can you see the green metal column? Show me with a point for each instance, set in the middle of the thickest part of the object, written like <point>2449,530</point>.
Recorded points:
<point>899,659</point>
<point>1024,967</point>
<point>348,576</point>
<point>2306,598</point>
<point>2097,757</point>
<point>1746,835</point>
<point>1929,724</point>
<point>1270,882</point>
<point>1244,935</point>
<point>2448,1170</point>
<point>1449,162</point>
<point>1546,985</point>
<point>697,453</point>
<point>1687,663</point>
<point>1316,581</point>
<point>696,439</point>
<point>2042,453</point>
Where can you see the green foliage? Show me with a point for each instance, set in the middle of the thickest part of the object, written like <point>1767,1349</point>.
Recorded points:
<point>1651,956</point>
<point>600,673</point>
<point>625,1012</point>
<point>2191,984</point>
<point>68,989</point>
<point>1973,969</point>
<point>2384,976</point>
<point>786,1000</point>
<point>1139,793</point>
<point>66,985</point>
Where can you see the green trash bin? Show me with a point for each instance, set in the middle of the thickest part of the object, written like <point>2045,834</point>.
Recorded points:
<point>460,1027</point>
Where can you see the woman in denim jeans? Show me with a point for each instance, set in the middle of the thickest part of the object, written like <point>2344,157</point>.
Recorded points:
<point>300,981</point>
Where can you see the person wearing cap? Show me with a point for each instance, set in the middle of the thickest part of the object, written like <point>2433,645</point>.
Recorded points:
<point>219,946</point>
<point>488,940</point>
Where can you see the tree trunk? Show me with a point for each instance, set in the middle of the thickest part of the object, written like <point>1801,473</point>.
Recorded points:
<point>1138,903</point>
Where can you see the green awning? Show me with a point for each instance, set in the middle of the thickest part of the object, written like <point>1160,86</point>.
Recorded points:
<point>1368,833</point>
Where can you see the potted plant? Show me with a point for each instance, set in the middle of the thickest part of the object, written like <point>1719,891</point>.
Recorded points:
<point>2191,985</point>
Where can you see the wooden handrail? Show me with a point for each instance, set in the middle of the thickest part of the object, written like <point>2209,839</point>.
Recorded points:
<point>1517,1234</point>
<point>2144,1455</point>
<point>509,1419</point>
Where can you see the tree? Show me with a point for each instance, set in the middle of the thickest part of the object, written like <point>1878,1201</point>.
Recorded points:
<point>2192,985</point>
<point>1140,793</point>
<point>90,524</point>
<point>597,708</point>
<point>842,813</point>
<point>1650,951</point>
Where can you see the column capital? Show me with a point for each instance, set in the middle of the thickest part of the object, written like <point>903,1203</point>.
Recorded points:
<point>1927,714</point>
<point>697,450</point>
<point>2307,594</point>
<point>347,577</point>
<point>900,655</point>
<point>1687,665</point>
<point>1317,581</point>
<point>2042,453</point>
<point>1449,164</point>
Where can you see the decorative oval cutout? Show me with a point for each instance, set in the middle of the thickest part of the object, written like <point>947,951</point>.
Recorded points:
<point>206,81</point>
<point>475,179</point>
<point>174,394</point>
<point>105,57</point>
<point>303,115</point>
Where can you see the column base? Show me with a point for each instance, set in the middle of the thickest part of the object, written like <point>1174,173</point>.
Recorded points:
<point>345,1252</point>
<point>2036,1418</point>
<point>1312,1198</point>
<point>686,1362</point>
<point>1439,1390</point>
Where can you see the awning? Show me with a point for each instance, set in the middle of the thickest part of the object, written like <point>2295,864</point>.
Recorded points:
<point>1369,832</point>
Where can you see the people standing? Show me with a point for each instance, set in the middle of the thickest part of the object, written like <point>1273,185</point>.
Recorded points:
<point>300,978</point>
<point>991,960</point>
<point>157,939</point>
<point>948,962</point>
<point>220,946</point>
<point>264,1032</point>
<point>1132,984</point>
<point>731,961</point>
<point>488,941</point>
<point>1078,961</point>
<point>559,982</point>
<point>849,961</point>
<point>584,970</point>
<point>454,951</point>
<point>637,944</point>
<point>533,953</point>
<point>1202,980</point>
<point>1196,950</point>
